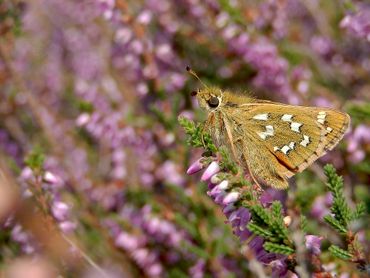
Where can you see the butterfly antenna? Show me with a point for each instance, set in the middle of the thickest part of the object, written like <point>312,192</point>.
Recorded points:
<point>189,70</point>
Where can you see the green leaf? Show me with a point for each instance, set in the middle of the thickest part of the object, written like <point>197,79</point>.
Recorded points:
<point>340,253</point>
<point>185,224</point>
<point>276,208</point>
<point>197,250</point>
<point>359,112</point>
<point>304,223</point>
<point>35,159</point>
<point>359,211</point>
<point>278,248</point>
<point>339,208</point>
<point>280,230</point>
<point>261,216</point>
<point>263,232</point>
<point>335,224</point>
<point>196,136</point>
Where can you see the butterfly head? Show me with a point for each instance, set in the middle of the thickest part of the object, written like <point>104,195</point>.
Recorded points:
<point>209,98</point>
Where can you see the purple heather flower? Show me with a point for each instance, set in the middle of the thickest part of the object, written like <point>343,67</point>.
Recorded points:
<point>145,17</point>
<point>322,45</point>
<point>197,270</point>
<point>169,172</point>
<point>360,135</point>
<point>25,239</point>
<point>212,169</point>
<point>51,178</point>
<point>67,226</point>
<point>127,241</point>
<point>279,268</point>
<point>60,210</point>
<point>155,270</point>
<point>313,243</point>
<point>83,119</point>
<point>231,197</point>
<point>270,195</point>
<point>215,192</point>
<point>196,166</point>
<point>358,24</point>
<point>320,206</point>
<point>223,185</point>
<point>26,173</point>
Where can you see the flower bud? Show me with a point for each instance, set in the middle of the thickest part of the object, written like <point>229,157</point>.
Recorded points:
<point>232,197</point>
<point>212,169</point>
<point>313,243</point>
<point>195,167</point>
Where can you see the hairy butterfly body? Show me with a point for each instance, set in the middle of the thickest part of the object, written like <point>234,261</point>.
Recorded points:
<point>272,140</point>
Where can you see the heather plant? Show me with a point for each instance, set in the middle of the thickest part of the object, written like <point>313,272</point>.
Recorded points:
<point>105,167</point>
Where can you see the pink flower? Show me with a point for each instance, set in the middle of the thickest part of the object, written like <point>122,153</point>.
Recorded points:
<point>313,243</point>
<point>195,167</point>
<point>212,169</point>
<point>232,197</point>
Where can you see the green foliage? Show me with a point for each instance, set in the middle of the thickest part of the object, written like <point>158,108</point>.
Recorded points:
<point>227,162</point>
<point>269,224</point>
<point>35,159</point>
<point>359,211</point>
<point>10,16</point>
<point>339,252</point>
<point>259,230</point>
<point>359,112</point>
<point>339,207</point>
<point>276,209</point>
<point>196,136</point>
<point>233,12</point>
<point>342,216</point>
<point>278,248</point>
<point>84,106</point>
<point>335,224</point>
<point>260,215</point>
<point>304,223</point>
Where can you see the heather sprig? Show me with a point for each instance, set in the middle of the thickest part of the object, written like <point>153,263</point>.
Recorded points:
<point>254,217</point>
<point>265,219</point>
<point>341,218</point>
<point>269,224</point>
<point>196,135</point>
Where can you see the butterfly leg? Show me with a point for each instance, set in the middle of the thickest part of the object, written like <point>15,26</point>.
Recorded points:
<point>231,139</point>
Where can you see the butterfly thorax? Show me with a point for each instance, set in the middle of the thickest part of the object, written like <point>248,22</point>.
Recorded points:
<point>213,99</point>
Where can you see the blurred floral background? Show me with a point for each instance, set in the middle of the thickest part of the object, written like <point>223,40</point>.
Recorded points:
<point>93,160</point>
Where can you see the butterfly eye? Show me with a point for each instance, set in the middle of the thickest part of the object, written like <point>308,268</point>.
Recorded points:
<point>193,93</point>
<point>213,102</point>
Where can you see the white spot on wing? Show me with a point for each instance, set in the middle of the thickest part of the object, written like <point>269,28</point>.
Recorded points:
<point>261,117</point>
<point>329,129</point>
<point>287,117</point>
<point>269,132</point>
<point>321,116</point>
<point>305,141</point>
<point>262,135</point>
<point>295,126</point>
<point>285,149</point>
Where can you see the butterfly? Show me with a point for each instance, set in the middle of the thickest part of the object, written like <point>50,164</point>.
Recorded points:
<point>273,141</point>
